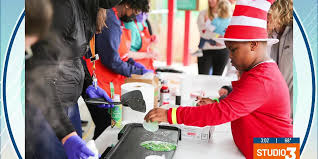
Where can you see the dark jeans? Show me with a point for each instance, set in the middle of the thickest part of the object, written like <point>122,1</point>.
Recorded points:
<point>203,41</point>
<point>101,119</point>
<point>213,62</point>
<point>41,141</point>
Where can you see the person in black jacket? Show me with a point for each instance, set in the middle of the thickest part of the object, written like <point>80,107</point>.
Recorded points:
<point>55,78</point>
<point>41,14</point>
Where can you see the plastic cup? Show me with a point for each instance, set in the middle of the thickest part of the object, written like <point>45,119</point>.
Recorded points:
<point>150,126</point>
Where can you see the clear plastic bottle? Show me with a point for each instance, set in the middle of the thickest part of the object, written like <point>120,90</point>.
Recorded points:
<point>117,112</point>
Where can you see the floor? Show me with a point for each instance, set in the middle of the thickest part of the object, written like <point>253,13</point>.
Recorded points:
<point>88,130</point>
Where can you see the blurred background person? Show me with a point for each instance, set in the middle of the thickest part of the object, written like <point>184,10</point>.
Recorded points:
<point>280,26</point>
<point>224,91</point>
<point>56,70</point>
<point>141,41</point>
<point>212,24</point>
<point>37,24</point>
<point>43,123</point>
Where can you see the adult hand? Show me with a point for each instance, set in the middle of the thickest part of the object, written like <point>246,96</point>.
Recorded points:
<point>157,114</point>
<point>99,93</point>
<point>204,101</point>
<point>145,71</point>
<point>141,66</point>
<point>154,55</point>
<point>76,148</point>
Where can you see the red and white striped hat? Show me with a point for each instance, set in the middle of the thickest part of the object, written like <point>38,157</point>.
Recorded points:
<point>249,22</point>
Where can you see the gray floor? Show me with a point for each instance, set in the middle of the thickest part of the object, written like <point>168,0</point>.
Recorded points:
<point>85,115</point>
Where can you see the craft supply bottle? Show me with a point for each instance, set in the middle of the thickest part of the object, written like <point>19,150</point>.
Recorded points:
<point>178,97</point>
<point>164,93</point>
<point>117,112</point>
<point>159,75</point>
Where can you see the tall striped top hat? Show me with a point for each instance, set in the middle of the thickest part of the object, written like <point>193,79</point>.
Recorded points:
<point>249,22</point>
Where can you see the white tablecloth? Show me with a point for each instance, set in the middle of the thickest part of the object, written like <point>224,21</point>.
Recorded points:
<point>221,145</point>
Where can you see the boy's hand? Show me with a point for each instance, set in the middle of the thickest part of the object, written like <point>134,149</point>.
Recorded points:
<point>204,101</point>
<point>157,114</point>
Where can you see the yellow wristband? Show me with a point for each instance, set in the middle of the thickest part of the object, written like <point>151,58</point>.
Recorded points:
<point>174,116</point>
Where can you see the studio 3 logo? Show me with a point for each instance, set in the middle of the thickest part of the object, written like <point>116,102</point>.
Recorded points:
<point>276,148</point>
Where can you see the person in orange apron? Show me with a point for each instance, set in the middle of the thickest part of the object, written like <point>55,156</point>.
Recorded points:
<point>140,49</point>
<point>112,46</point>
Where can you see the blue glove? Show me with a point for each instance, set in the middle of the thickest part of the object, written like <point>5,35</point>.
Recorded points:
<point>144,70</point>
<point>99,93</point>
<point>75,148</point>
<point>131,61</point>
<point>139,65</point>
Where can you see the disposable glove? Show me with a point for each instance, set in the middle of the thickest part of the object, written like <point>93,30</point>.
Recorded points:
<point>75,148</point>
<point>139,65</point>
<point>99,93</point>
<point>144,70</point>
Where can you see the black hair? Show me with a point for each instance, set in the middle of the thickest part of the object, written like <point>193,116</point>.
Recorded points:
<point>228,88</point>
<point>142,5</point>
<point>38,16</point>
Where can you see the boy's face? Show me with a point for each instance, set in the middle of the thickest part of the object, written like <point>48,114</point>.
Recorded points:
<point>241,54</point>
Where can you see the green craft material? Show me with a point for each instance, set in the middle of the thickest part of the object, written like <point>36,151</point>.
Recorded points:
<point>217,100</point>
<point>158,146</point>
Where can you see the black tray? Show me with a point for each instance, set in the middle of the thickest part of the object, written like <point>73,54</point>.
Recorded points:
<point>128,146</point>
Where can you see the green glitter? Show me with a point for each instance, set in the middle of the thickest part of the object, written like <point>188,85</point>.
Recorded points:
<point>158,146</point>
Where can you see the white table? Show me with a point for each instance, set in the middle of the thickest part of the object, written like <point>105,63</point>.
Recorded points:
<point>221,145</point>
<point>193,84</point>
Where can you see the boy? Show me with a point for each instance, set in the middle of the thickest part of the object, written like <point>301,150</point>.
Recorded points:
<point>258,105</point>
